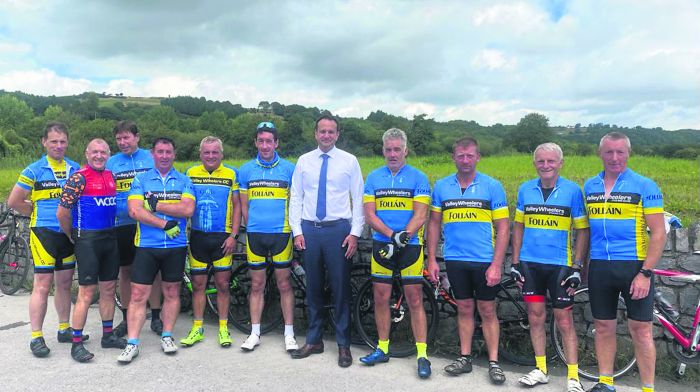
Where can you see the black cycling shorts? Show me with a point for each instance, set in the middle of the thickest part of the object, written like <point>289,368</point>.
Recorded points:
<point>468,280</point>
<point>148,261</point>
<point>125,243</point>
<point>609,279</point>
<point>205,249</point>
<point>97,256</point>
<point>541,278</point>
<point>408,260</point>
<point>276,246</point>
<point>51,250</point>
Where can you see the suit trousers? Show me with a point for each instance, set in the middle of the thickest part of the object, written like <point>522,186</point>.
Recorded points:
<point>324,258</point>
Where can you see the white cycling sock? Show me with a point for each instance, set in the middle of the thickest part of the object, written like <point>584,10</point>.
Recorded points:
<point>288,330</point>
<point>255,329</point>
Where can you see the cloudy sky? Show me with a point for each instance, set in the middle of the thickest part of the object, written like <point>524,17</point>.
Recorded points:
<point>586,61</point>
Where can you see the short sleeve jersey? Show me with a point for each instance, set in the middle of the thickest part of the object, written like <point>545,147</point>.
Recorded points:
<point>213,191</point>
<point>548,223</point>
<point>267,190</point>
<point>394,197</point>
<point>468,216</point>
<point>44,179</point>
<point>618,226</point>
<point>172,188</point>
<point>90,195</point>
<point>125,168</point>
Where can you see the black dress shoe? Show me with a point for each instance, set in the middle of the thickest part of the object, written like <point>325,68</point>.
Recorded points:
<point>307,350</point>
<point>344,357</point>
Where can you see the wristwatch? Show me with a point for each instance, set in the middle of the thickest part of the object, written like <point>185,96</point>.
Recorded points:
<point>235,236</point>
<point>646,272</point>
<point>577,264</point>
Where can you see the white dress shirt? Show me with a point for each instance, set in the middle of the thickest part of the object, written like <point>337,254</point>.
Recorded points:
<point>344,189</point>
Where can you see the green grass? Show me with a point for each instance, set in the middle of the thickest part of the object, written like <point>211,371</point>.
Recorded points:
<point>677,178</point>
<point>129,101</point>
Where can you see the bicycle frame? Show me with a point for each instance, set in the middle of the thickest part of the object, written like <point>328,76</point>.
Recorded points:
<point>691,341</point>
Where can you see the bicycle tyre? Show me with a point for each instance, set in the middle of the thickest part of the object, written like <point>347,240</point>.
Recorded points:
<point>239,309</point>
<point>585,332</point>
<point>14,265</point>
<point>514,343</point>
<point>402,343</point>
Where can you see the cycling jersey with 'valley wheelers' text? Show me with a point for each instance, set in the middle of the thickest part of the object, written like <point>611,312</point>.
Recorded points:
<point>172,188</point>
<point>44,179</point>
<point>393,197</point>
<point>548,223</point>
<point>467,216</point>
<point>213,191</point>
<point>266,186</point>
<point>618,224</point>
<point>125,168</point>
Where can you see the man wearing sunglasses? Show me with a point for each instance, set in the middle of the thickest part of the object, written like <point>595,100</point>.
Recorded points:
<point>264,190</point>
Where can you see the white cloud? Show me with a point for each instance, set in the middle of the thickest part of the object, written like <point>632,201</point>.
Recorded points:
<point>492,59</point>
<point>43,82</point>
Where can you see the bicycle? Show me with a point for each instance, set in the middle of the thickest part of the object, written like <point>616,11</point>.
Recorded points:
<point>272,317</point>
<point>14,254</point>
<point>684,343</point>
<point>514,341</point>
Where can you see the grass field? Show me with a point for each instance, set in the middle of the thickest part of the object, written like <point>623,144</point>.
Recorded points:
<point>129,101</point>
<point>678,179</point>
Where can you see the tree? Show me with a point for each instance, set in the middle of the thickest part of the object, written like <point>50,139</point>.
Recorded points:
<point>14,113</point>
<point>531,131</point>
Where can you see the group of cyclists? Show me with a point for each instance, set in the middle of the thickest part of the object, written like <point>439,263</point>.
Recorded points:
<point>125,218</point>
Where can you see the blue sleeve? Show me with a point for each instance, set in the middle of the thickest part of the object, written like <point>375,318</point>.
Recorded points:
<point>652,199</point>
<point>498,196</point>
<point>578,206</point>
<point>137,189</point>
<point>435,200</point>
<point>422,185</point>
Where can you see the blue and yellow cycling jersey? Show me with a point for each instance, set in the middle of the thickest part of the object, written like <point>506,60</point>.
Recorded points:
<point>44,179</point>
<point>393,197</point>
<point>547,223</point>
<point>468,216</point>
<point>213,191</point>
<point>267,185</point>
<point>171,189</point>
<point>125,168</point>
<point>618,226</point>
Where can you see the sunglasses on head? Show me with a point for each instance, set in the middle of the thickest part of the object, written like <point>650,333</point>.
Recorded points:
<point>266,124</point>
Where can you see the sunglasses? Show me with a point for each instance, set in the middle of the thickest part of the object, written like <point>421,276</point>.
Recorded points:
<point>266,124</point>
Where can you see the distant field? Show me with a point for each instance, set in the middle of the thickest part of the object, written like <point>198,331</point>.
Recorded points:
<point>679,179</point>
<point>129,101</point>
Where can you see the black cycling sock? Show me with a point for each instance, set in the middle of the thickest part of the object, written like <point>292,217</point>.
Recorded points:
<point>124,314</point>
<point>155,314</point>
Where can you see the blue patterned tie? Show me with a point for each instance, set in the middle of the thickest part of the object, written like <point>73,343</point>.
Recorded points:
<point>321,200</point>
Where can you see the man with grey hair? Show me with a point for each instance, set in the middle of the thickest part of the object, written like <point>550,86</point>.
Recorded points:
<point>215,224</point>
<point>621,205</point>
<point>86,213</point>
<point>548,209</point>
<point>396,201</point>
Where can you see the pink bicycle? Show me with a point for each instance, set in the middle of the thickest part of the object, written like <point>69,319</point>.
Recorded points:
<point>683,342</point>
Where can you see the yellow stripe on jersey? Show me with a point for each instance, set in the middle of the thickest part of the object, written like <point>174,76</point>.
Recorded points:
<point>424,199</point>
<point>394,203</point>
<point>653,210</point>
<point>581,223</point>
<point>267,193</point>
<point>124,184</point>
<point>546,221</point>
<point>500,213</point>
<point>49,193</point>
<point>612,210</point>
<point>519,216</point>
<point>453,215</point>
<point>368,198</point>
<point>26,181</point>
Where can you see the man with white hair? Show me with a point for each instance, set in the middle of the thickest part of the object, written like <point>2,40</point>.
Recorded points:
<point>396,203</point>
<point>548,210</point>
<point>621,205</point>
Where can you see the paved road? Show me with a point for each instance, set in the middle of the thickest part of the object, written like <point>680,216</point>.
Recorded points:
<point>206,367</point>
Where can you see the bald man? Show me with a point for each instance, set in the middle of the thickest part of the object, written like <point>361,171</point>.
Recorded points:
<point>86,212</point>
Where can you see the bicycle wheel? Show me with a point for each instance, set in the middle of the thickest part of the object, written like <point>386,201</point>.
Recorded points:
<point>401,341</point>
<point>239,309</point>
<point>515,344</point>
<point>14,265</point>
<point>585,332</point>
